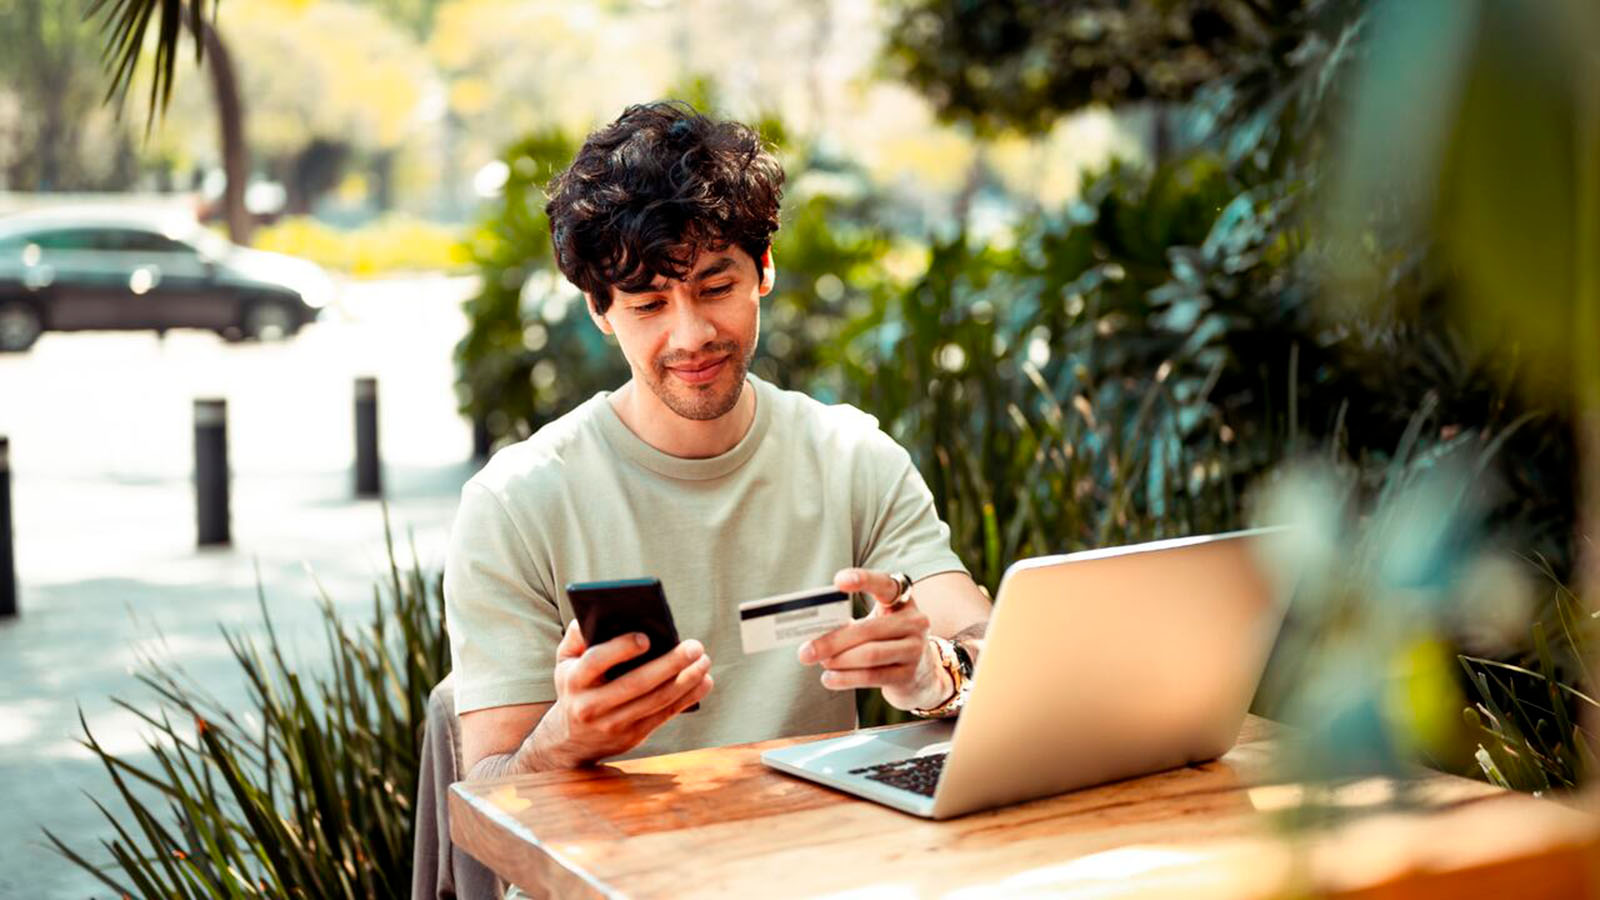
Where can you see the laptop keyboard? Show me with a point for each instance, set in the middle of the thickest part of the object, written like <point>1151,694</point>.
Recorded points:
<point>919,774</point>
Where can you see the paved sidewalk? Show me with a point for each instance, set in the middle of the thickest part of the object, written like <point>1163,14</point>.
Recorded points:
<point>105,530</point>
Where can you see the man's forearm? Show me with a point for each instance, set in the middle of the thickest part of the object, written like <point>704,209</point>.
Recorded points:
<point>973,632</point>
<point>531,757</point>
<point>497,765</point>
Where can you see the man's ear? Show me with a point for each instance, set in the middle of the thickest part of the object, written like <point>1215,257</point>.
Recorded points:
<point>769,272</point>
<point>599,320</point>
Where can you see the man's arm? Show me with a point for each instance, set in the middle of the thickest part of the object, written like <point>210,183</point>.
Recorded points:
<point>491,739</point>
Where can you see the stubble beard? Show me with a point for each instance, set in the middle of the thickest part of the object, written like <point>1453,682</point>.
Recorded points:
<point>702,403</point>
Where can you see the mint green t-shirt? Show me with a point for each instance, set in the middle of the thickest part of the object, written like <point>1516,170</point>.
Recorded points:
<point>809,490</point>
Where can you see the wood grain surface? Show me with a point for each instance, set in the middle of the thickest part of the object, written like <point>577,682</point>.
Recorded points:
<point>718,823</point>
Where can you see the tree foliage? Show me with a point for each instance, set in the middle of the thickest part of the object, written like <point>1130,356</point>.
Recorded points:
<point>1018,64</point>
<point>127,23</point>
<point>53,134</point>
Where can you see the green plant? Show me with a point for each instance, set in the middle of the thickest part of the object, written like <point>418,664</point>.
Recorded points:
<point>310,792</point>
<point>1389,576</point>
<point>1526,716</point>
<point>830,254</point>
<point>1496,179</point>
<point>530,353</point>
<point>1009,64</point>
<point>1048,401</point>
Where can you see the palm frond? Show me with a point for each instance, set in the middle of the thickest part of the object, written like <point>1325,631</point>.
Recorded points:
<point>127,25</point>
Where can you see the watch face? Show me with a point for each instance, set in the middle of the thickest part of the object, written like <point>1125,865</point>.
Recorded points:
<point>963,658</point>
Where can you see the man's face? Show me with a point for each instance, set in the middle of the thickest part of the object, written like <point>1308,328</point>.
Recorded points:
<point>691,341</point>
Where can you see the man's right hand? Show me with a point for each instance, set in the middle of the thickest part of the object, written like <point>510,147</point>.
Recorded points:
<point>593,718</point>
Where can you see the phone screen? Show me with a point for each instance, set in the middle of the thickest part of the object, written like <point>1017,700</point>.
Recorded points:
<point>609,609</point>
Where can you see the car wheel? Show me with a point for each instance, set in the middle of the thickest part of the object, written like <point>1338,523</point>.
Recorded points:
<point>19,326</point>
<point>269,320</point>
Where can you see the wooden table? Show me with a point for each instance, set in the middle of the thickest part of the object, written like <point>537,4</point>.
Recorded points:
<point>717,823</point>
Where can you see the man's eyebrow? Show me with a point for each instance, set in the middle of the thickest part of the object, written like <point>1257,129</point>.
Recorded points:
<point>658,287</point>
<point>716,268</point>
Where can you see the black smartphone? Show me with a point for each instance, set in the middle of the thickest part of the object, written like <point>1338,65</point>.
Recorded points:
<point>609,609</point>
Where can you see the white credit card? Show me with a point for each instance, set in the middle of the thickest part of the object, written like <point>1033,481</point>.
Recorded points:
<point>789,619</point>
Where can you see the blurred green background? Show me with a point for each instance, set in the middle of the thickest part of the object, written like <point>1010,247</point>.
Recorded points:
<point>1109,270</point>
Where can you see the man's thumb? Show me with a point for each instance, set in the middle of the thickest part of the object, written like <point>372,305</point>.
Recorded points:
<point>572,643</point>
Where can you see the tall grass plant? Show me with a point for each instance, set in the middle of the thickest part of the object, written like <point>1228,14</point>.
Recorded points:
<point>306,792</point>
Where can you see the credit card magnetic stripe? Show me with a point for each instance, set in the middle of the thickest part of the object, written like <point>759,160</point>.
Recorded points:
<point>805,601</point>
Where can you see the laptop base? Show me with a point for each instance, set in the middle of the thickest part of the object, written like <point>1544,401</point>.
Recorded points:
<point>830,762</point>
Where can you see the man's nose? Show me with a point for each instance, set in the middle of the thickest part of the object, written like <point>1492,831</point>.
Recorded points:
<point>691,330</point>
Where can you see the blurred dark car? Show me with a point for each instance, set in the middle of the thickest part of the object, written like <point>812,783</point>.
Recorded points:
<point>81,269</point>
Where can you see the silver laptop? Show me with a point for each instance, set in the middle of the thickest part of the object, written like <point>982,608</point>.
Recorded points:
<point>1098,666</point>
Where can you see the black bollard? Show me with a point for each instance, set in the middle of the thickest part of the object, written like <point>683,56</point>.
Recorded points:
<point>482,440</point>
<point>211,472</point>
<point>369,480</point>
<point>8,560</point>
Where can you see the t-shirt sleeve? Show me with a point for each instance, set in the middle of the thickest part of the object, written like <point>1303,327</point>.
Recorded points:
<point>904,532</point>
<point>503,621</point>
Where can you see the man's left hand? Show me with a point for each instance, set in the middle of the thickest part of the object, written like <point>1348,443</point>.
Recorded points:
<point>889,649</point>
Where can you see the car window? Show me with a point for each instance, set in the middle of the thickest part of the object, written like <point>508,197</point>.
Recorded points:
<point>69,239</point>
<point>148,241</point>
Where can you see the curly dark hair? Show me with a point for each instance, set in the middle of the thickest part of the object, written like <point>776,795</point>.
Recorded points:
<point>651,190</point>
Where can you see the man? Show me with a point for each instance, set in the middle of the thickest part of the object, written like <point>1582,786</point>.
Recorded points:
<point>719,484</point>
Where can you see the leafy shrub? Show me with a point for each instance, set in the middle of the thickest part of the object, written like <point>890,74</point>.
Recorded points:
<point>1046,416</point>
<point>1393,577</point>
<point>530,352</point>
<point>310,792</point>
